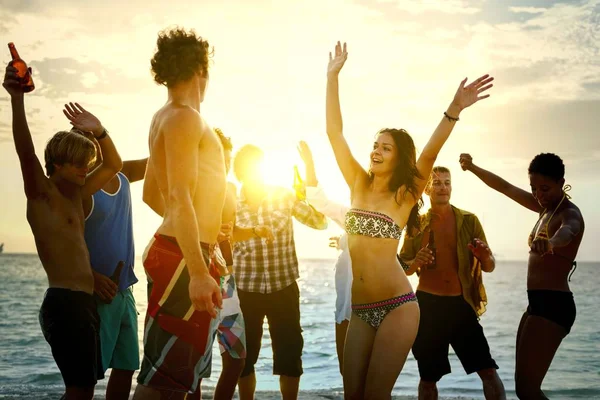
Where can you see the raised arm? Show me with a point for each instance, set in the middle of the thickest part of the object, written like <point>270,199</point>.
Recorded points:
<point>350,168</point>
<point>111,161</point>
<point>465,96</point>
<point>316,195</point>
<point>34,179</point>
<point>309,164</point>
<point>135,170</point>
<point>521,196</point>
<point>182,135</point>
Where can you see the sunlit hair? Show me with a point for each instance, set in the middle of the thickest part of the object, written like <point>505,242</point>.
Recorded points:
<point>247,160</point>
<point>549,165</point>
<point>225,140</point>
<point>405,173</point>
<point>179,55</point>
<point>68,147</point>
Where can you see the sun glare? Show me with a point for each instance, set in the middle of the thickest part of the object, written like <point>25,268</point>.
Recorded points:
<point>278,168</point>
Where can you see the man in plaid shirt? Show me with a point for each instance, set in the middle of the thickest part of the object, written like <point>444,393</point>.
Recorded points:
<point>266,272</point>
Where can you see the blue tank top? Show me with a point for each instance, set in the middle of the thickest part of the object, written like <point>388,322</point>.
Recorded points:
<point>109,233</point>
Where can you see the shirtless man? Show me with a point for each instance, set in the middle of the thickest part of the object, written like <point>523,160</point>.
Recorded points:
<point>68,316</point>
<point>450,292</point>
<point>185,183</point>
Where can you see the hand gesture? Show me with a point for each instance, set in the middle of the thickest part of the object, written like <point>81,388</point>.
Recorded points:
<point>542,246</point>
<point>466,161</point>
<point>334,242</point>
<point>12,81</point>
<point>265,232</point>
<point>104,287</point>
<point>480,250</point>
<point>424,257</point>
<point>305,153</point>
<point>205,294</point>
<point>336,63</point>
<point>225,232</point>
<point>468,95</point>
<point>83,120</point>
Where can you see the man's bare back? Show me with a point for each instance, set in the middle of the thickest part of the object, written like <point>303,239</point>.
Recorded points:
<point>207,191</point>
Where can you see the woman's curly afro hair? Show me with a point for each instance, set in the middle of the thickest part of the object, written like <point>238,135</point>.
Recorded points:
<point>179,55</point>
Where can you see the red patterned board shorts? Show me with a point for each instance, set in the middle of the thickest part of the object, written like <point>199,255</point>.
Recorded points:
<point>178,338</point>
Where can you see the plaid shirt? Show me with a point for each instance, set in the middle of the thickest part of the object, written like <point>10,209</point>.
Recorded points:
<point>269,267</point>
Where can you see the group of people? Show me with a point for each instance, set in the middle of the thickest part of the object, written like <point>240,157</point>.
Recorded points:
<point>222,261</point>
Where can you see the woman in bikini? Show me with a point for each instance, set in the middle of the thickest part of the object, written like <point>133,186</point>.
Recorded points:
<point>385,315</point>
<point>553,244</point>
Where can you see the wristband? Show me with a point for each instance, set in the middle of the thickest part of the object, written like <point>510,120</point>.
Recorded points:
<point>450,118</point>
<point>103,135</point>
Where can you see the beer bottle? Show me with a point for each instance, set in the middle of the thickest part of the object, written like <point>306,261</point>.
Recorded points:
<point>431,246</point>
<point>22,70</point>
<point>116,276</point>
<point>299,185</point>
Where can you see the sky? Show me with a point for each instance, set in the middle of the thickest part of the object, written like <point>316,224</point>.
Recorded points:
<point>267,87</point>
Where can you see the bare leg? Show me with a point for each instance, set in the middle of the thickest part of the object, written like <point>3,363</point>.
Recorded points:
<point>119,385</point>
<point>357,352</point>
<point>232,368</point>
<point>428,390</point>
<point>147,393</point>
<point>393,341</point>
<point>493,388</point>
<point>247,387</point>
<point>340,339</point>
<point>538,343</point>
<point>78,393</point>
<point>289,386</point>
<point>521,324</point>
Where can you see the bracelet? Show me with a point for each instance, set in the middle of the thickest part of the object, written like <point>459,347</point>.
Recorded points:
<point>404,265</point>
<point>450,118</point>
<point>104,134</point>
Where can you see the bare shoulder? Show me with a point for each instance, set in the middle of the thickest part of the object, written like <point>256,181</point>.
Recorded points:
<point>185,121</point>
<point>572,212</point>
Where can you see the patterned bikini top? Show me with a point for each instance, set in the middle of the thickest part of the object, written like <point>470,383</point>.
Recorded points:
<point>371,223</point>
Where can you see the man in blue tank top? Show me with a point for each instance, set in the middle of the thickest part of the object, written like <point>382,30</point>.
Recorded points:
<point>109,237</point>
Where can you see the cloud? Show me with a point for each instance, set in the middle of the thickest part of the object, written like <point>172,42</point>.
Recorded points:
<point>62,76</point>
<point>527,10</point>
<point>435,6</point>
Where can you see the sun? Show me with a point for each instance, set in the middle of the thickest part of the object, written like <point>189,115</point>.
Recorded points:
<point>278,168</point>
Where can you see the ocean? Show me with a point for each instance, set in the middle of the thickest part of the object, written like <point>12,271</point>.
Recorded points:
<point>28,370</point>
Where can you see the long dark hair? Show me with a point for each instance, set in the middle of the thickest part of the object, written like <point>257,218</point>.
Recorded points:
<point>405,174</point>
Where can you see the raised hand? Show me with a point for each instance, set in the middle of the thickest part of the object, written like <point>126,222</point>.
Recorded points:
<point>334,242</point>
<point>468,95</point>
<point>265,232</point>
<point>424,257</point>
<point>305,153</point>
<point>12,82</point>
<point>542,246</point>
<point>82,119</point>
<point>480,250</point>
<point>466,161</point>
<point>336,63</point>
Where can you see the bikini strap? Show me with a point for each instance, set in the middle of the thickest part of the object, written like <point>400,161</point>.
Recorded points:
<point>573,270</point>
